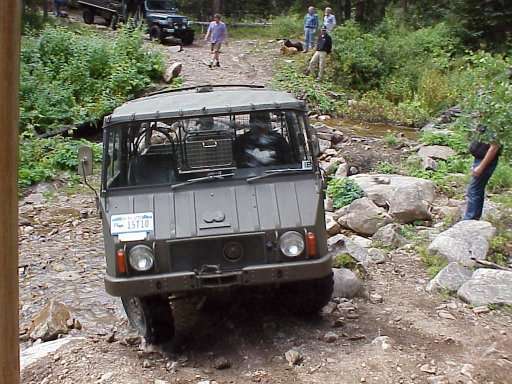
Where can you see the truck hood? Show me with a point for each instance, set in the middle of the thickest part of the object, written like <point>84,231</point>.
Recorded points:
<point>219,208</point>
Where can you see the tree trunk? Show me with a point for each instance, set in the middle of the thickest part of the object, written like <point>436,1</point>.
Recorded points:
<point>10,25</point>
<point>348,9</point>
<point>217,6</point>
<point>45,9</point>
<point>360,11</point>
<point>405,5</point>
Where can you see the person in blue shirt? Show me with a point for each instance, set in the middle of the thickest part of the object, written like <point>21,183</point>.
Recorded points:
<point>310,28</point>
<point>216,35</point>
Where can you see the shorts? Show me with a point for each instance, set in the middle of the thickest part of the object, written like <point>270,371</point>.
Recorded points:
<point>216,47</point>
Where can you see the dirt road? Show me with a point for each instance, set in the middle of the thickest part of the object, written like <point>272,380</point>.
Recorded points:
<point>61,250</point>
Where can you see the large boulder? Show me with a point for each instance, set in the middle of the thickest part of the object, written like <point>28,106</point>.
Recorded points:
<point>465,240</point>
<point>487,286</point>
<point>364,217</point>
<point>450,278</point>
<point>408,198</point>
<point>51,322</point>
<point>340,244</point>
<point>173,71</point>
<point>390,236</point>
<point>436,152</point>
<point>332,227</point>
<point>346,283</point>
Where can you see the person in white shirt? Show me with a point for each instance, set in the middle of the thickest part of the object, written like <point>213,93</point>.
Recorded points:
<point>329,19</point>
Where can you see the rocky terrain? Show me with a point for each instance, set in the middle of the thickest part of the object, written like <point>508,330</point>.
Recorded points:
<point>388,321</point>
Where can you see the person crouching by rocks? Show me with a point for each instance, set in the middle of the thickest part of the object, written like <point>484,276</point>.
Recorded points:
<point>486,159</point>
<point>323,48</point>
<point>217,34</point>
<point>310,28</point>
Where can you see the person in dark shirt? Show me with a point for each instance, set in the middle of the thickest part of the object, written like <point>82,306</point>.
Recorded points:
<point>323,48</point>
<point>261,146</point>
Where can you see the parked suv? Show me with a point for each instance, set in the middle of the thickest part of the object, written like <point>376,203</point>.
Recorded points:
<point>207,188</point>
<point>161,16</point>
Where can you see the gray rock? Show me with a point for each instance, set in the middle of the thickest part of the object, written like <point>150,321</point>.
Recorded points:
<point>337,137</point>
<point>361,241</point>
<point>487,286</point>
<point>408,198</point>
<point>293,357</point>
<point>390,236</point>
<point>383,342</point>
<point>436,152</point>
<point>365,217</point>
<point>324,145</point>
<point>38,352</point>
<point>341,171</point>
<point>430,127</point>
<point>342,244</point>
<point>346,283</point>
<point>428,164</point>
<point>466,239</point>
<point>450,278</point>
<point>172,72</point>
<point>353,170</point>
<point>331,226</point>
<point>376,256</point>
<point>221,363</point>
<point>330,337</point>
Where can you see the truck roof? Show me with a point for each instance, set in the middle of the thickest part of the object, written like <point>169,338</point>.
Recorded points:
<point>196,101</point>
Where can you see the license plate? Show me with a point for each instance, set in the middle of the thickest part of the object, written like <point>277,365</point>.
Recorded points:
<point>135,222</point>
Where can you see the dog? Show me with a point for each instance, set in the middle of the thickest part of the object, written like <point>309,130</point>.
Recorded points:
<point>288,43</point>
<point>288,51</point>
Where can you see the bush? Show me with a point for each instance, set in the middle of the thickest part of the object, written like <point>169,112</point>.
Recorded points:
<point>72,77</point>
<point>43,159</point>
<point>343,192</point>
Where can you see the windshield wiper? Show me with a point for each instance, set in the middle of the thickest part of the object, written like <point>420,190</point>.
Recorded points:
<point>272,172</point>
<point>201,179</point>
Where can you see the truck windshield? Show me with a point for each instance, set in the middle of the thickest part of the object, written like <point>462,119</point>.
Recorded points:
<point>161,5</point>
<point>173,151</point>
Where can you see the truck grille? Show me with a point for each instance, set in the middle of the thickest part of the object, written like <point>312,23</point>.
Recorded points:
<point>195,255</point>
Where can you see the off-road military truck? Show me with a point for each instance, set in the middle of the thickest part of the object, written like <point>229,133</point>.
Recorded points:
<point>161,16</point>
<point>207,188</point>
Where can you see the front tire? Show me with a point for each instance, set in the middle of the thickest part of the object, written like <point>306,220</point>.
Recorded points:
<point>88,16</point>
<point>151,316</point>
<point>188,38</point>
<point>155,33</point>
<point>307,297</point>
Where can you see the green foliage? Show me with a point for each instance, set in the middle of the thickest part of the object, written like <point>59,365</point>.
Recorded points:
<point>72,77</point>
<point>501,179</point>
<point>43,159</point>
<point>344,260</point>
<point>390,140</point>
<point>433,263</point>
<point>385,167</point>
<point>343,191</point>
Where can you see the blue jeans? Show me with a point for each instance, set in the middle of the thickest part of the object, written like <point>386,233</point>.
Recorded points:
<point>476,191</point>
<point>309,38</point>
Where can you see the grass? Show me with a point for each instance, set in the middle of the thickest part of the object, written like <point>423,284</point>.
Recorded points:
<point>386,168</point>
<point>391,140</point>
<point>344,260</point>
<point>433,263</point>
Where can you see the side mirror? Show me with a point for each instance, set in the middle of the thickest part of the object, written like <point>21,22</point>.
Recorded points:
<point>85,161</point>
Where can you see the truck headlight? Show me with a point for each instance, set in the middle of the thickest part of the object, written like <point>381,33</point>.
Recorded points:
<point>141,258</point>
<point>291,244</point>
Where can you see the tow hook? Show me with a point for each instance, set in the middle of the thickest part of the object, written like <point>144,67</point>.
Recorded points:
<point>209,269</point>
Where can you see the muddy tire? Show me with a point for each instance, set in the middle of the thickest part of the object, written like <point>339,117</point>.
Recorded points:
<point>307,297</point>
<point>188,38</point>
<point>88,16</point>
<point>151,316</point>
<point>155,33</point>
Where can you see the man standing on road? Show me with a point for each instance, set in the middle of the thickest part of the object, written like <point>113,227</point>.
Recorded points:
<point>216,35</point>
<point>323,48</point>
<point>310,27</point>
<point>486,159</point>
<point>329,19</point>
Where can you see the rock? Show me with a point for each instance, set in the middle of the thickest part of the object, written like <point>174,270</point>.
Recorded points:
<point>430,127</point>
<point>346,283</point>
<point>481,310</point>
<point>341,171</point>
<point>324,135</point>
<point>439,152</point>
<point>337,137</point>
<point>221,363</point>
<point>446,315</point>
<point>450,278</point>
<point>361,241</point>
<point>390,236</point>
<point>34,198</point>
<point>386,190</point>
<point>376,256</point>
<point>353,170</point>
<point>324,117</point>
<point>342,244</point>
<point>50,322</point>
<point>293,357</point>
<point>39,351</point>
<point>330,337</point>
<point>466,239</point>
<point>428,164</point>
<point>383,342</point>
<point>376,298</point>
<point>324,145</point>
<point>364,217</point>
<point>329,205</point>
<point>158,381</point>
<point>332,227</point>
<point>105,378</point>
<point>172,72</point>
<point>487,286</point>
<point>427,368</point>
<point>438,380</point>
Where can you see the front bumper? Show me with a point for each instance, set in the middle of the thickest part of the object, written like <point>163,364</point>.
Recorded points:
<point>190,281</point>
